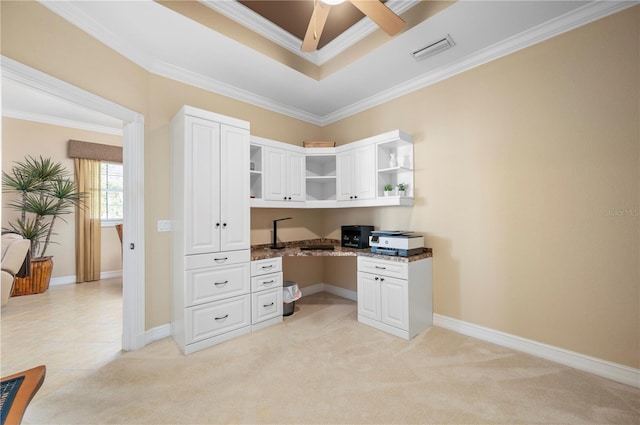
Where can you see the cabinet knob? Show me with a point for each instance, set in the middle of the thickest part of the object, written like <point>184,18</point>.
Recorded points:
<point>350,197</point>
<point>285,198</point>
<point>289,197</point>
<point>377,278</point>
<point>356,196</point>
<point>382,279</point>
<point>217,225</point>
<point>224,224</point>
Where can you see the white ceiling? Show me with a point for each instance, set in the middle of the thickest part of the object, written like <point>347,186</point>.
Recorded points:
<point>169,44</point>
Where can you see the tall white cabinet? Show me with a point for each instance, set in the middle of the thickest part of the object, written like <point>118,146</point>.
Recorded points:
<point>210,228</point>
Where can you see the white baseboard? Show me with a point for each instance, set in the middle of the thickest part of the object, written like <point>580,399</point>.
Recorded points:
<point>65,280</point>
<point>159,332</point>
<point>335,290</point>
<point>614,371</point>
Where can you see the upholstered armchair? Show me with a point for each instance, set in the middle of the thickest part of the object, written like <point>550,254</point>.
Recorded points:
<point>14,251</point>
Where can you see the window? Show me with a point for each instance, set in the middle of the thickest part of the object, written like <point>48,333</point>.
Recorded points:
<point>111,194</point>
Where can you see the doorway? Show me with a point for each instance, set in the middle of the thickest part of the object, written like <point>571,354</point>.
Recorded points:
<point>133,273</point>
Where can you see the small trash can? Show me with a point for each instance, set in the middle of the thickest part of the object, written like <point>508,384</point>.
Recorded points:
<point>290,293</point>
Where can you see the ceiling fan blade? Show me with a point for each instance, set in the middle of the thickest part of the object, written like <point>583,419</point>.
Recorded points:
<point>381,15</point>
<point>316,25</point>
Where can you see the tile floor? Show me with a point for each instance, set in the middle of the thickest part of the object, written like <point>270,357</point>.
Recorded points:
<point>72,329</point>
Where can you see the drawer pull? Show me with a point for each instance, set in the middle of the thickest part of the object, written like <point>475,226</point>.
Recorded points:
<point>267,267</point>
<point>222,318</point>
<point>267,305</point>
<point>221,259</point>
<point>268,282</point>
<point>221,283</point>
<point>382,268</point>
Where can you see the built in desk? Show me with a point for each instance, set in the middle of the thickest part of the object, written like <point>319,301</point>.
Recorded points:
<point>394,293</point>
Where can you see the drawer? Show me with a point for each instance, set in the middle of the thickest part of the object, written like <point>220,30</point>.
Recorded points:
<point>208,320</point>
<point>267,281</point>
<point>216,283</point>
<point>270,265</point>
<point>217,259</point>
<point>266,305</point>
<point>383,268</point>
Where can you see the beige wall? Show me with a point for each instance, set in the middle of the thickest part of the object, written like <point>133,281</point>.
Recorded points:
<point>522,167</point>
<point>21,138</point>
<point>518,163</point>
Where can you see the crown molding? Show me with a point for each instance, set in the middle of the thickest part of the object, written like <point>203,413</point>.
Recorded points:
<point>47,119</point>
<point>44,83</point>
<point>210,84</point>
<point>68,11</point>
<point>572,20</point>
<point>259,24</point>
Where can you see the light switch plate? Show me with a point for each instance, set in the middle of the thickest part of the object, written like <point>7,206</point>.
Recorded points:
<point>164,225</point>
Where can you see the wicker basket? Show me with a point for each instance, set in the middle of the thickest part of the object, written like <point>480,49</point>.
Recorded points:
<point>38,282</point>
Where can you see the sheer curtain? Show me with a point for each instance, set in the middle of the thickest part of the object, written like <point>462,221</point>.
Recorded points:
<point>88,224</point>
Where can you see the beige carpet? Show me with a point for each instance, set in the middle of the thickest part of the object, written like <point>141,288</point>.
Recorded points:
<point>322,366</point>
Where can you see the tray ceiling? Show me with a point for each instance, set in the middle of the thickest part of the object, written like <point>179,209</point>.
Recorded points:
<point>217,53</point>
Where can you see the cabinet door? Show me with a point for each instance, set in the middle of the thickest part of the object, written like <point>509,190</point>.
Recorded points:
<point>202,186</point>
<point>344,171</point>
<point>364,176</point>
<point>368,296</point>
<point>394,297</point>
<point>296,176</point>
<point>275,174</point>
<point>234,189</point>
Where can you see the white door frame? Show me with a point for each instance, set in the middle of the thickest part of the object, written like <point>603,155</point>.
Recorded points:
<point>133,261</point>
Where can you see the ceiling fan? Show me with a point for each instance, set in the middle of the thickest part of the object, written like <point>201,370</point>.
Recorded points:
<point>374,9</point>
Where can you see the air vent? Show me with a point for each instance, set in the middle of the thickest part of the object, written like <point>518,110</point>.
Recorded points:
<point>433,48</point>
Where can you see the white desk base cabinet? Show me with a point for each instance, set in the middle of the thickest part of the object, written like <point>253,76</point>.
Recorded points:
<point>394,296</point>
<point>266,293</point>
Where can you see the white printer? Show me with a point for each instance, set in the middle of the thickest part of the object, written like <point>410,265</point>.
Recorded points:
<point>401,243</point>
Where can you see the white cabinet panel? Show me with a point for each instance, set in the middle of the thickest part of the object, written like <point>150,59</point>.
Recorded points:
<point>394,301</point>
<point>284,175</point>
<point>234,189</point>
<point>266,305</point>
<point>268,281</point>
<point>269,265</point>
<point>216,283</point>
<point>368,296</point>
<point>212,319</point>
<point>356,174</point>
<point>202,186</point>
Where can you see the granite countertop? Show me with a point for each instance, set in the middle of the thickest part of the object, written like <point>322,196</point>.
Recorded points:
<point>292,249</point>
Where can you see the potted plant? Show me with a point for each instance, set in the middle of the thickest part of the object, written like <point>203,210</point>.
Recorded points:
<point>46,193</point>
<point>402,187</point>
<point>388,189</point>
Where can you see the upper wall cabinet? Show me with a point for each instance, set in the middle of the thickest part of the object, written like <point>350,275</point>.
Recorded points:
<point>351,175</point>
<point>284,174</point>
<point>356,179</point>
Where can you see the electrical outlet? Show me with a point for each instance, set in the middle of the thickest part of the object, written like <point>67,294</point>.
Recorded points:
<point>164,225</point>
